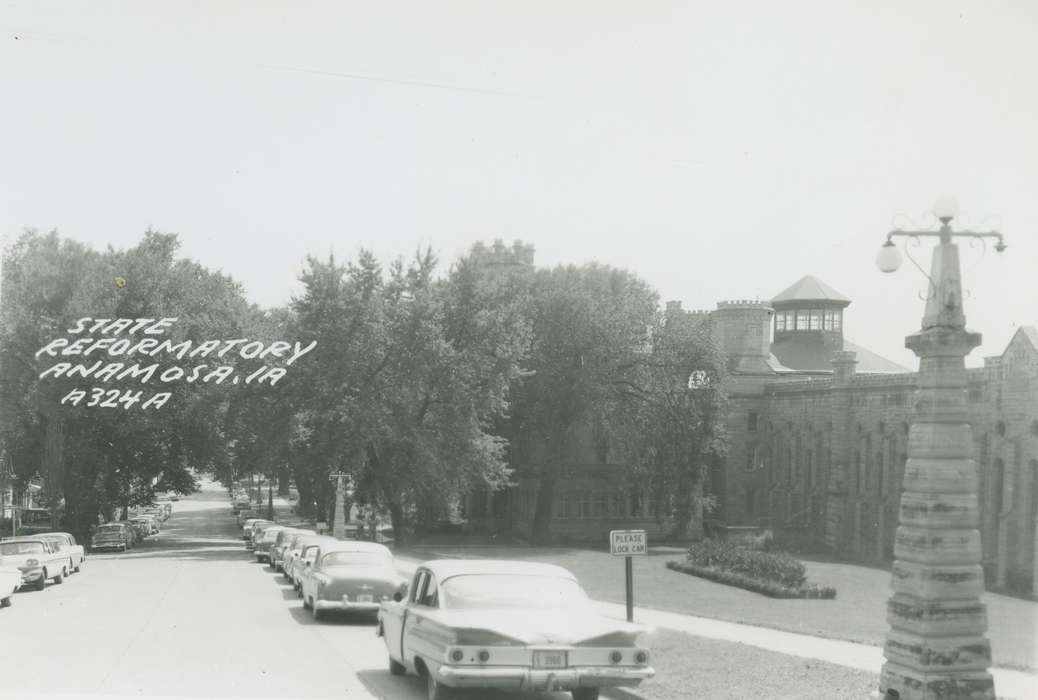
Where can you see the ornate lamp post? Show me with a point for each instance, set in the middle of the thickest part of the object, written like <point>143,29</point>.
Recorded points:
<point>936,648</point>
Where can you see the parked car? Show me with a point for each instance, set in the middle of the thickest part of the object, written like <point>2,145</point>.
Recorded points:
<point>246,527</point>
<point>111,536</point>
<point>306,550</point>
<point>508,624</point>
<point>351,577</point>
<point>10,581</point>
<point>67,543</point>
<point>241,502</point>
<point>265,541</point>
<point>277,550</point>
<point>140,530</point>
<point>150,522</point>
<point>36,558</point>
<point>255,532</point>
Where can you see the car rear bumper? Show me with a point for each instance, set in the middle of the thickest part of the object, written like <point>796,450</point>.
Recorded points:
<point>351,606</point>
<point>109,545</point>
<point>529,679</point>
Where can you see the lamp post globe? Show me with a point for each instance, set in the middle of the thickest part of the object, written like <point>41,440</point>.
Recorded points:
<point>946,208</point>
<point>888,259</point>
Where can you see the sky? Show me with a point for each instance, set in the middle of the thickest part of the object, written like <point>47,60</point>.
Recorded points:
<point>719,150</point>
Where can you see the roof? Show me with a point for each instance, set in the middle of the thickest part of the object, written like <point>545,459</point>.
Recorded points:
<point>355,546</point>
<point>1029,332</point>
<point>446,568</point>
<point>809,288</point>
<point>814,352</point>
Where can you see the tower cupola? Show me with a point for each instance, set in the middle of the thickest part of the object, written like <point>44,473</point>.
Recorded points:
<point>810,307</point>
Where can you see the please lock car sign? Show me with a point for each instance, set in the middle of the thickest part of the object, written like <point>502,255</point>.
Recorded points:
<point>626,543</point>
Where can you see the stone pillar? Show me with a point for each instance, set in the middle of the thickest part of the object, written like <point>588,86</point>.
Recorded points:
<point>339,515</point>
<point>936,648</point>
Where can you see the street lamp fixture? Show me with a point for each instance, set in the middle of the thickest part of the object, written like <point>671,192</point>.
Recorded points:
<point>936,648</point>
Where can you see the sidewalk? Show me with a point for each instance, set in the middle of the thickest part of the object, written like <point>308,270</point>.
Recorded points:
<point>1009,684</point>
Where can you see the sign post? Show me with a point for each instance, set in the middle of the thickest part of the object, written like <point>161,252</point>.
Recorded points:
<point>628,543</point>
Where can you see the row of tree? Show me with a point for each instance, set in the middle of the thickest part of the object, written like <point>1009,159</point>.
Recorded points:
<point>425,383</point>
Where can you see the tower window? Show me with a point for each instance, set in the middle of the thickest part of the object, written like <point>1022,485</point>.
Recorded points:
<point>815,320</point>
<point>802,320</point>
<point>751,421</point>
<point>780,322</point>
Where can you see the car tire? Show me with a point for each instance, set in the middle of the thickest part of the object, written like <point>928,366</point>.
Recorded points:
<point>396,668</point>
<point>435,689</point>
<point>585,693</point>
<point>41,582</point>
<point>60,578</point>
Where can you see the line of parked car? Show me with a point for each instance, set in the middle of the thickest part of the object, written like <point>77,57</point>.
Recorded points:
<point>123,535</point>
<point>29,561</point>
<point>461,623</point>
<point>32,560</point>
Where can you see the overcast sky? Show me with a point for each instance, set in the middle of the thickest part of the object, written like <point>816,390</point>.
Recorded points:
<point>720,150</point>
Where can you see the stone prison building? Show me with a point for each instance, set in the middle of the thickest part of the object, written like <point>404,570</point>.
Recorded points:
<point>818,432</point>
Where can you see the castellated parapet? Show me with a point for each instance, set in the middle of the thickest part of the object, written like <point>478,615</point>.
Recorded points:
<point>744,334</point>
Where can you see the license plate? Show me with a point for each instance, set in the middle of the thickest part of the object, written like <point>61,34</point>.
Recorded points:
<point>368,598</point>
<point>549,659</point>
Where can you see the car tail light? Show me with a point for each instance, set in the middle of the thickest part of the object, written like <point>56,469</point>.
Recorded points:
<point>457,655</point>
<point>616,657</point>
<point>32,562</point>
<point>484,655</point>
<point>641,657</point>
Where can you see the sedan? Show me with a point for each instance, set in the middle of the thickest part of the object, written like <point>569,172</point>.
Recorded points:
<point>510,625</point>
<point>350,577</point>
<point>37,560</point>
<point>111,536</point>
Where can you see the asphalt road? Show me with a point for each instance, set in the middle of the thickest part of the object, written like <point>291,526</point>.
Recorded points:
<point>192,614</point>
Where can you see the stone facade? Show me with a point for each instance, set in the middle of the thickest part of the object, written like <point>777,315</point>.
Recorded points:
<point>818,455</point>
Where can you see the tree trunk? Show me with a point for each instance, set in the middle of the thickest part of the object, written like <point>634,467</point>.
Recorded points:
<point>541,530</point>
<point>283,481</point>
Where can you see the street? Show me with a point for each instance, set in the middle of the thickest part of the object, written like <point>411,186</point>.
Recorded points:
<point>191,614</point>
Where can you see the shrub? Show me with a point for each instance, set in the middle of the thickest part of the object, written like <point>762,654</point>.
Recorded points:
<point>772,567</point>
<point>768,588</point>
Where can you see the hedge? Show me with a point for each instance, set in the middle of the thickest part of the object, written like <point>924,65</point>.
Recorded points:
<point>768,588</point>
<point>771,567</point>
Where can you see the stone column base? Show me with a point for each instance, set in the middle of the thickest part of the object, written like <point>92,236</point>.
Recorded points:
<point>913,685</point>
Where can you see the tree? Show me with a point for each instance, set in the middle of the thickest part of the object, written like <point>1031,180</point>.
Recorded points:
<point>591,327</point>
<point>672,417</point>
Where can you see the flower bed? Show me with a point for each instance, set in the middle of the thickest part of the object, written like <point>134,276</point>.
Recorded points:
<point>772,574</point>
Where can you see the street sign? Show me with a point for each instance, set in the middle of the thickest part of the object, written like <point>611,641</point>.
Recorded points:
<point>626,543</point>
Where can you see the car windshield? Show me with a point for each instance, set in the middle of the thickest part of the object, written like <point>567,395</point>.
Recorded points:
<point>270,535</point>
<point>9,548</point>
<point>473,591</point>
<point>357,559</point>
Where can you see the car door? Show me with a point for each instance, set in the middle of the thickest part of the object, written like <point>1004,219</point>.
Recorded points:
<point>414,642</point>
<point>56,558</point>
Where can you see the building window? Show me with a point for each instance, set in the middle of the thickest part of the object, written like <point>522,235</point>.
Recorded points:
<point>1000,428</point>
<point>802,320</point>
<point>976,395</point>
<point>598,508</point>
<point>751,422</point>
<point>651,506</point>
<point>780,322</point>
<point>815,320</point>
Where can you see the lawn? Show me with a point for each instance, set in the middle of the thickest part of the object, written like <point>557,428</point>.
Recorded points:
<point>858,614</point>
<point>693,667</point>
